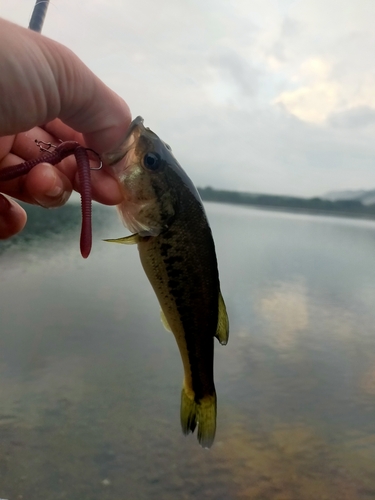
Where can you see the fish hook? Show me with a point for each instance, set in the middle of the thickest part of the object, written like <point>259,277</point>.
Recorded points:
<point>47,146</point>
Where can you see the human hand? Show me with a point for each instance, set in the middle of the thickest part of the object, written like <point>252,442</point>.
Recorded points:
<point>50,96</point>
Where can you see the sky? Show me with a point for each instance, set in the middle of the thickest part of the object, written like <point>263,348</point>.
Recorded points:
<point>266,96</point>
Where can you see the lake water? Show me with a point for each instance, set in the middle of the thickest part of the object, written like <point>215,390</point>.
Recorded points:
<point>90,381</point>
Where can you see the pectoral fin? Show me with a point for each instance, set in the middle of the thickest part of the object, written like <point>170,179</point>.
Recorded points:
<point>164,321</point>
<point>222,331</point>
<point>133,239</point>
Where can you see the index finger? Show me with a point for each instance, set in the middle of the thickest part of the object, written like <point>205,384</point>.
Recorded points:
<point>63,132</point>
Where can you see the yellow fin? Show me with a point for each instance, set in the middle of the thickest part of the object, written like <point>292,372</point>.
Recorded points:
<point>202,413</point>
<point>222,331</point>
<point>126,240</point>
<point>164,321</point>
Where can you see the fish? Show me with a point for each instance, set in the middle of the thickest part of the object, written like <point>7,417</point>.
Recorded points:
<point>163,210</point>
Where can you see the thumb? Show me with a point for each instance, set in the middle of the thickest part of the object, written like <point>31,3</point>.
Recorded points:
<point>49,81</point>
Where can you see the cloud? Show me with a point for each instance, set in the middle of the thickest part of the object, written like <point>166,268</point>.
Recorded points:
<point>316,95</point>
<point>358,117</point>
<point>257,96</point>
<point>311,104</point>
<point>235,71</point>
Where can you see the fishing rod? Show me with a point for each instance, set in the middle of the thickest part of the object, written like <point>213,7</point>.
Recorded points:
<point>38,15</point>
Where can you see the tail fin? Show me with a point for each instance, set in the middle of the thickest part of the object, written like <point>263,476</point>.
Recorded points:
<point>202,413</point>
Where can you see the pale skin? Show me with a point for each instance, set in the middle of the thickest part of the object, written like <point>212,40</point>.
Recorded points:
<point>48,94</point>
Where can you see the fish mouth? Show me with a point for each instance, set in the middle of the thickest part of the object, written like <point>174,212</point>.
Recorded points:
<point>136,128</point>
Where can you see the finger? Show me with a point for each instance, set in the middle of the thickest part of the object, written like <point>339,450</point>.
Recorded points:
<point>48,186</point>
<point>74,93</point>
<point>13,187</point>
<point>6,144</point>
<point>103,127</point>
<point>39,185</point>
<point>105,188</point>
<point>65,133</point>
<point>87,105</point>
<point>44,184</point>
<point>25,145</point>
<point>25,148</point>
<point>12,217</point>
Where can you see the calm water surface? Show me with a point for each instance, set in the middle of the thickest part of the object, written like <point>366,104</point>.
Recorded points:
<point>90,381</point>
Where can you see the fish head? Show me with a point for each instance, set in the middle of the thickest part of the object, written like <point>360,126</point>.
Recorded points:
<point>150,178</point>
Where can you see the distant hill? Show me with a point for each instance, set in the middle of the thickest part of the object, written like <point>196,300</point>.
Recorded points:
<point>365,197</point>
<point>352,206</point>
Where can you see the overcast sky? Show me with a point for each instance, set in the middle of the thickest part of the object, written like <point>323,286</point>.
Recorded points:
<point>271,96</point>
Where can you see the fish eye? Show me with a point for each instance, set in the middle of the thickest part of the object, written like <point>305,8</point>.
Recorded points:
<point>151,161</point>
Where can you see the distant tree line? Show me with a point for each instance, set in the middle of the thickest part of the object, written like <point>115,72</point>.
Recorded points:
<point>286,202</point>
<point>45,224</point>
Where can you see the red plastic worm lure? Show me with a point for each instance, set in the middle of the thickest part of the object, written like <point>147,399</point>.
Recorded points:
<point>53,157</point>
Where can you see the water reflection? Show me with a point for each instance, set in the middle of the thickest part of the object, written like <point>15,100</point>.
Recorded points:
<point>90,381</point>
<point>285,309</point>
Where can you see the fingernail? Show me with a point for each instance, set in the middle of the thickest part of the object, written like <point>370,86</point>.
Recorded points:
<point>5,204</point>
<point>57,187</point>
<point>12,217</point>
<point>54,192</point>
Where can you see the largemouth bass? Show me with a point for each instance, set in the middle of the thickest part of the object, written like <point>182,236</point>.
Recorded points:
<point>163,209</point>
